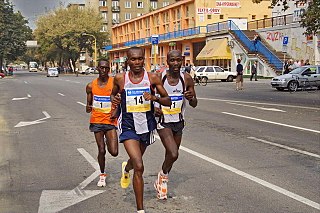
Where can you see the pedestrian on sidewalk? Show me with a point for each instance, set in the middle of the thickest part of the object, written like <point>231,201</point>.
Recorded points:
<point>101,123</point>
<point>254,71</point>
<point>239,79</point>
<point>134,93</point>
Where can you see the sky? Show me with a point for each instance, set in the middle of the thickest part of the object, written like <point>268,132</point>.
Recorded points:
<point>31,9</point>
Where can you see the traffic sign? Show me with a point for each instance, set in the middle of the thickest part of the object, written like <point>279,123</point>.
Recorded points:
<point>285,40</point>
<point>155,39</point>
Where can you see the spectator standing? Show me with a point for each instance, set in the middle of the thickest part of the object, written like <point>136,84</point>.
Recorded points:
<point>254,71</point>
<point>256,39</point>
<point>239,80</point>
<point>307,62</point>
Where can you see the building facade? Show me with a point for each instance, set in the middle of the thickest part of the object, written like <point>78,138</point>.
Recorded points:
<point>184,25</point>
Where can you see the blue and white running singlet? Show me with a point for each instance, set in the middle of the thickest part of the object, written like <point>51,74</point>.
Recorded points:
<point>137,114</point>
<point>175,112</point>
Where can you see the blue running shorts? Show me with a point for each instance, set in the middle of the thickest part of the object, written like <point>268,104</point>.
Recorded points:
<point>146,138</point>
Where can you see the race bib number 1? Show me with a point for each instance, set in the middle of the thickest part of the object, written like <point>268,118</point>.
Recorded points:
<point>176,104</point>
<point>135,101</point>
<point>101,103</point>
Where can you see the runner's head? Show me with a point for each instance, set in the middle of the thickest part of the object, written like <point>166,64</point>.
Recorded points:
<point>103,68</point>
<point>174,60</point>
<point>136,59</point>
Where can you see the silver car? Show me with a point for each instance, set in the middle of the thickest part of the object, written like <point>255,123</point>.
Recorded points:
<point>53,72</point>
<point>297,77</point>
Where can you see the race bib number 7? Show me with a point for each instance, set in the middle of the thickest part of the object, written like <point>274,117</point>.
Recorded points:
<point>101,103</point>
<point>176,104</point>
<point>135,101</point>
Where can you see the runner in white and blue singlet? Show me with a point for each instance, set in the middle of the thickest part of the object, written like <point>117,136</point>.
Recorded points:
<point>180,88</point>
<point>134,93</point>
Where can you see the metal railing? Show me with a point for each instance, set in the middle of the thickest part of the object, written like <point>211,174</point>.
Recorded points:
<point>259,47</point>
<point>272,22</point>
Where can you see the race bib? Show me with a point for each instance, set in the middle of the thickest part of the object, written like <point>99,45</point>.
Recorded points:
<point>176,105</point>
<point>135,101</point>
<point>102,103</point>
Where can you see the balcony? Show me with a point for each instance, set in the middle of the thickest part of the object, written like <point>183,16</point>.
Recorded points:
<point>105,20</point>
<point>103,8</point>
<point>115,21</point>
<point>115,9</point>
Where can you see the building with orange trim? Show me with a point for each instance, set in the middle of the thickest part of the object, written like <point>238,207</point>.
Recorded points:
<point>187,26</point>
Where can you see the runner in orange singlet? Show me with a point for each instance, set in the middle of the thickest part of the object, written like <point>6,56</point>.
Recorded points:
<point>99,104</point>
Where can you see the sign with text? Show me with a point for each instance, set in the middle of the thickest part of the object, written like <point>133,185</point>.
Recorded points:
<point>228,4</point>
<point>155,39</point>
<point>285,40</point>
<point>203,10</point>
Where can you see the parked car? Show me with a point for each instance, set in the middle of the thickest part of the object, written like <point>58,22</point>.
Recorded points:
<point>215,73</point>
<point>53,72</point>
<point>90,70</point>
<point>296,77</point>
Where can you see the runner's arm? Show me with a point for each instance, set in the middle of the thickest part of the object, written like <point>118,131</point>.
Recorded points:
<point>89,98</point>
<point>190,93</point>
<point>164,99</point>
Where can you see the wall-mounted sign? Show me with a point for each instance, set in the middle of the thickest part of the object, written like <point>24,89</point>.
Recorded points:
<point>228,4</point>
<point>187,47</point>
<point>205,10</point>
<point>186,53</point>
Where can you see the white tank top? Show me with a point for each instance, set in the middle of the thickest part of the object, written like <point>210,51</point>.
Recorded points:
<point>175,112</point>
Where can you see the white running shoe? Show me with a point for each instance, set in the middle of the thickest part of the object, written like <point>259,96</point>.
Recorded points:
<point>161,186</point>
<point>102,180</point>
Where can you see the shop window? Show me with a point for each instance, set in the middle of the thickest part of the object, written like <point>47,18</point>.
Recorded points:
<point>221,16</point>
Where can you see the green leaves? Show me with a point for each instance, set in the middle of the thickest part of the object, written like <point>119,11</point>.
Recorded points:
<point>63,29</point>
<point>14,33</point>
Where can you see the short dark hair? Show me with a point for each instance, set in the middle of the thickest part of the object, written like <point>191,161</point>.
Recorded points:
<point>136,48</point>
<point>103,59</point>
<point>239,60</point>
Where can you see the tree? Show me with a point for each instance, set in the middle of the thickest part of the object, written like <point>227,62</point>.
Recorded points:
<point>64,29</point>
<point>310,19</point>
<point>14,33</point>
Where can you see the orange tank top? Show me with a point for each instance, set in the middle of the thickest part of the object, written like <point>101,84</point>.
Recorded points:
<point>101,103</point>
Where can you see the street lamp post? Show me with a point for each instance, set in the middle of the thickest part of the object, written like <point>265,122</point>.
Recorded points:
<point>95,48</point>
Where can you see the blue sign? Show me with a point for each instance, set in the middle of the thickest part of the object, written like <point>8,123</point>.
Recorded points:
<point>285,40</point>
<point>155,40</point>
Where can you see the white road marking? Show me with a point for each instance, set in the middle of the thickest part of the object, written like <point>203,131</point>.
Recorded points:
<point>253,178</point>
<point>262,108</point>
<point>61,94</point>
<point>67,80</point>
<point>29,96</point>
<point>271,122</point>
<point>269,104</point>
<point>56,200</point>
<point>81,103</point>
<point>285,147</point>
<point>28,123</point>
<point>18,99</point>
<point>25,82</point>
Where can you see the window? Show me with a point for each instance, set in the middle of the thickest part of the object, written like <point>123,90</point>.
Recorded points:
<point>115,16</point>
<point>102,3</point>
<point>265,16</point>
<point>154,4</point>
<point>104,15</point>
<point>253,17</point>
<point>209,69</point>
<point>209,16</point>
<point>221,16</point>
<point>127,4</point>
<point>165,3</point>
<point>104,28</point>
<point>127,16</point>
<point>218,69</point>
<point>201,69</point>
<point>139,4</point>
<point>178,14</point>
<point>115,3</point>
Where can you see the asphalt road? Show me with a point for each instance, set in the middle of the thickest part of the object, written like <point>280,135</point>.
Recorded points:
<point>255,150</point>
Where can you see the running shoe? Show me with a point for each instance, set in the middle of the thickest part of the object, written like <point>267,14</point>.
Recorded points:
<point>140,211</point>
<point>102,180</point>
<point>161,186</point>
<point>125,177</point>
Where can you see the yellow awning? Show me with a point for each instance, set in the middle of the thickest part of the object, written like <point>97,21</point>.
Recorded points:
<point>215,49</point>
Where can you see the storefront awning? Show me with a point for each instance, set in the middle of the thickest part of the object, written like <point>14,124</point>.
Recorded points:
<point>215,49</point>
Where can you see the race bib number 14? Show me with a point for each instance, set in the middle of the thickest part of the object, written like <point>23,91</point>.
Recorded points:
<point>135,101</point>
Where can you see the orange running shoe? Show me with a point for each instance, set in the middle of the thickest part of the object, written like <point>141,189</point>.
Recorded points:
<point>102,180</point>
<point>161,186</point>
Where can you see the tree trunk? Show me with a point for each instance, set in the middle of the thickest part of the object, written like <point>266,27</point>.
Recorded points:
<point>1,63</point>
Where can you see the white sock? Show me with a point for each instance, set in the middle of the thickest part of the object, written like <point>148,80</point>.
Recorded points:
<point>162,174</point>
<point>140,211</point>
